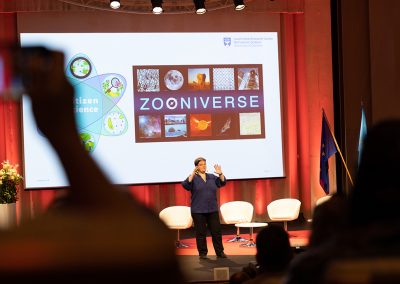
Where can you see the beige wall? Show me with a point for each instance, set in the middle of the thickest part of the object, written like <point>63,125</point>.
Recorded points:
<point>370,46</point>
<point>384,23</point>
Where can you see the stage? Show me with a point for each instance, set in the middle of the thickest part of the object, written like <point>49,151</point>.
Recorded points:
<point>196,270</point>
<point>203,270</point>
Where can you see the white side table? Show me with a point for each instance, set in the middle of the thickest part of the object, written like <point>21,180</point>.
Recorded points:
<point>250,225</point>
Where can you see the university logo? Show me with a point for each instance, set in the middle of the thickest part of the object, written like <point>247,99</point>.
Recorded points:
<point>227,41</point>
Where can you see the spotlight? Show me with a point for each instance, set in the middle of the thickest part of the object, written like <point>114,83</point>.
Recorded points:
<point>115,4</point>
<point>200,7</point>
<point>157,6</point>
<point>239,5</point>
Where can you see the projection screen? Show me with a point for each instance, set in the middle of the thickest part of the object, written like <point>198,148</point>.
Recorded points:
<point>149,98</point>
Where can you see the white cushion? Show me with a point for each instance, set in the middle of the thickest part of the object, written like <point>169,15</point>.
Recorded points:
<point>286,209</point>
<point>235,212</point>
<point>177,217</point>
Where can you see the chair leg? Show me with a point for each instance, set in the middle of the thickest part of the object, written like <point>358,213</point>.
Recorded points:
<point>237,238</point>
<point>251,242</point>
<point>286,229</point>
<point>178,242</point>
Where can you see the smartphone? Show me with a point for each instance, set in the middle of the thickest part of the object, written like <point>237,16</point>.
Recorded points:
<point>10,83</point>
<point>12,71</point>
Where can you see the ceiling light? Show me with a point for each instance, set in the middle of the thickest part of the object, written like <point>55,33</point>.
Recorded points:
<point>115,4</point>
<point>200,7</point>
<point>239,5</point>
<point>157,6</point>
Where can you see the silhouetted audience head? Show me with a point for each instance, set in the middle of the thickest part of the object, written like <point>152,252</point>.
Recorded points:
<point>329,218</point>
<point>376,196</point>
<point>273,249</point>
<point>239,277</point>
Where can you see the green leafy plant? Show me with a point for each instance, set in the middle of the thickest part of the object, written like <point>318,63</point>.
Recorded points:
<point>9,179</point>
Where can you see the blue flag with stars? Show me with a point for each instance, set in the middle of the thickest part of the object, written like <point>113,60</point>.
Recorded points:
<point>328,148</point>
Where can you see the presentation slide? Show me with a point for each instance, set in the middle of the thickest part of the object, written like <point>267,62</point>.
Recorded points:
<point>147,104</point>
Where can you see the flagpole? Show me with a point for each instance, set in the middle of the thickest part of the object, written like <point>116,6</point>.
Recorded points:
<point>337,147</point>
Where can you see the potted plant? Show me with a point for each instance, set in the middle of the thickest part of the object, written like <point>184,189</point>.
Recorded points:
<point>9,181</point>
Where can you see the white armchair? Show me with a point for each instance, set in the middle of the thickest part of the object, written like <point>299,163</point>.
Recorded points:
<point>284,210</point>
<point>178,218</point>
<point>235,212</point>
<point>322,199</point>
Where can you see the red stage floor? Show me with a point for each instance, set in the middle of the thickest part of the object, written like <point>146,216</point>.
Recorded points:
<point>297,239</point>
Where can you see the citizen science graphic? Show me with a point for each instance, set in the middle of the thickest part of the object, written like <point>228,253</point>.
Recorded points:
<point>95,104</point>
<point>198,102</point>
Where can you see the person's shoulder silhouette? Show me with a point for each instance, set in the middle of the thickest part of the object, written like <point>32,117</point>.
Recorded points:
<point>376,194</point>
<point>372,221</point>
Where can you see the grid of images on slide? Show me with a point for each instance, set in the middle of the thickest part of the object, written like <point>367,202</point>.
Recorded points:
<point>195,84</point>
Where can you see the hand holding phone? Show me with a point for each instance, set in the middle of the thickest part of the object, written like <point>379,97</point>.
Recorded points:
<point>10,84</point>
<point>14,68</point>
<point>50,91</point>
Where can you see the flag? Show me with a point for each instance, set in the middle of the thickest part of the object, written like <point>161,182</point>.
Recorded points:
<point>328,148</point>
<point>363,133</point>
